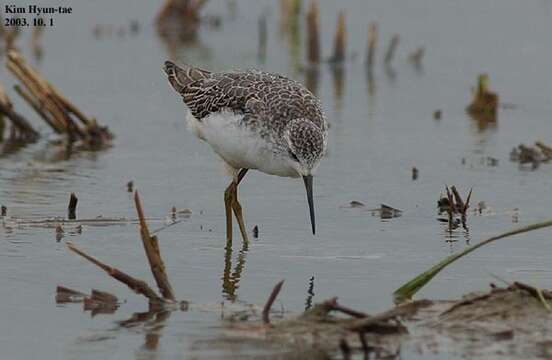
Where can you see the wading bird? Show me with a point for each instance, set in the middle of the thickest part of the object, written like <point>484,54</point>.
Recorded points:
<point>253,120</point>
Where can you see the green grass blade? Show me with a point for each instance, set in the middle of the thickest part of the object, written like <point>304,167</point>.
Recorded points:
<point>410,288</point>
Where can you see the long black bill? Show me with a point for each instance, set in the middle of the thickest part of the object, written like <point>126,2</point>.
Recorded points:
<point>308,186</point>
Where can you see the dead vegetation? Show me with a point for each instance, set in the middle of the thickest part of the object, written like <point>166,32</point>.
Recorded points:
<point>20,129</point>
<point>513,320</point>
<point>54,108</point>
<point>151,248</point>
<point>455,207</point>
<point>533,156</point>
<point>483,108</point>
<point>180,19</point>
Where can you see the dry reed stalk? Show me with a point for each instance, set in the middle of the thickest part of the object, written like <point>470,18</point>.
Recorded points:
<point>136,285</point>
<point>53,107</point>
<point>313,41</point>
<point>22,126</point>
<point>371,48</point>
<point>270,301</point>
<point>151,247</point>
<point>72,208</point>
<point>339,39</point>
<point>390,54</point>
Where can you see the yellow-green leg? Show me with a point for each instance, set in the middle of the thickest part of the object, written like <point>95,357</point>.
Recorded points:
<point>231,203</point>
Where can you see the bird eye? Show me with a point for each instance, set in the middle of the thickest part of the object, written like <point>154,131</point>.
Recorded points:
<point>293,156</point>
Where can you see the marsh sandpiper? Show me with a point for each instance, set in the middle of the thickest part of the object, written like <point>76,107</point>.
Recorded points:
<point>254,120</point>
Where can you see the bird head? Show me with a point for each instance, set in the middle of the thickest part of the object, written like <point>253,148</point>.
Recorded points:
<point>306,145</point>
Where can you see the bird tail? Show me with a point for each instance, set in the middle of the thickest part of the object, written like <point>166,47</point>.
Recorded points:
<point>181,77</point>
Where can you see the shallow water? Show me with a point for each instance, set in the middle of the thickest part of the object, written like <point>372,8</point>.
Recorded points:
<point>379,131</point>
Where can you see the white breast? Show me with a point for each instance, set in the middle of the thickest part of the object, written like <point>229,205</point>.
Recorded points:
<point>239,146</point>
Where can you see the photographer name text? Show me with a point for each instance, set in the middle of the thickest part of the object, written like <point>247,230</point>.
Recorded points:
<point>33,15</point>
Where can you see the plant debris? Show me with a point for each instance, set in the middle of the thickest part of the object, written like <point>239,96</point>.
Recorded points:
<point>21,128</point>
<point>372,38</point>
<point>533,156</point>
<point>179,19</point>
<point>61,115</point>
<point>453,205</point>
<point>484,100</point>
<point>354,204</point>
<point>339,40</point>
<point>151,248</point>
<point>313,41</point>
<point>98,302</point>
<point>391,49</point>
<point>511,319</point>
<point>386,212</point>
<point>72,207</point>
<point>415,173</point>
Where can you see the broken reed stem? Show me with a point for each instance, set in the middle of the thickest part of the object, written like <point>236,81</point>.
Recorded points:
<point>339,39</point>
<point>103,296</point>
<point>53,107</point>
<point>270,301</point>
<point>371,48</point>
<point>39,109</point>
<point>411,287</point>
<point>17,120</point>
<point>44,93</point>
<point>546,150</point>
<point>391,49</point>
<point>151,248</point>
<point>457,198</point>
<point>450,209</point>
<point>364,324</point>
<point>136,285</point>
<point>66,295</point>
<point>460,206</point>
<point>313,40</point>
<point>72,208</point>
<point>348,311</point>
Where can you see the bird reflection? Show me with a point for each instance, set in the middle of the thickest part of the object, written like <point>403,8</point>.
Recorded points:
<point>231,277</point>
